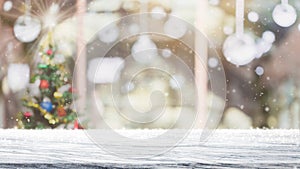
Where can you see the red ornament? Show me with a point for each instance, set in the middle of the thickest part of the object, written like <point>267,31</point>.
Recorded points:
<point>72,90</point>
<point>49,52</point>
<point>61,112</point>
<point>44,84</point>
<point>77,125</point>
<point>27,114</point>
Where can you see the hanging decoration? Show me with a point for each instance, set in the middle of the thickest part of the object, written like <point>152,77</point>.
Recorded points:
<point>239,48</point>
<point>7,5</point>
<point>27,28</point>
<point>109,34</point>
<point>18,76</point>
<point>284,14</point>
<point>144,50</point>
<point>264,44</point>
<point>158,13</point>
<point>253,16</point>
<point>175,28</point>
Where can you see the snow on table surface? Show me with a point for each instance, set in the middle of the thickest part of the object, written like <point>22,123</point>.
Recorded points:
<point>223,149</point>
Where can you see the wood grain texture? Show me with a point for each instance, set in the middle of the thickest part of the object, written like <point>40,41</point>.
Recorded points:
<point>223,149</point>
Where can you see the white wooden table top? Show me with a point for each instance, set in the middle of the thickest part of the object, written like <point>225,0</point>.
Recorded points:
<point>224,149</point>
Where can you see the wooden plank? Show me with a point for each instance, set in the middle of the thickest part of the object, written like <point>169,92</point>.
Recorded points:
<point>224,149</point>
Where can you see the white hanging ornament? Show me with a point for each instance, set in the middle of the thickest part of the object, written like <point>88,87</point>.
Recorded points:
<point>262,46</point>
<point>175,28</point>
<point>144,50</point>
<point>284,15</point>
<point>18,76</point>
<point>109,34</point>
<point>7,6</point>
<point>239,50</point>
<point>253,16</point>
<point>269,36</point>
<point>158,13</point>
<point>27,28</point>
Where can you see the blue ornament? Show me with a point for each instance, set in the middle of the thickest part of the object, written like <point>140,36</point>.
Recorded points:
<point>47,106</point>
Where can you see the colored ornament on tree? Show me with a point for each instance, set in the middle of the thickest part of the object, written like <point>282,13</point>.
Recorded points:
<point>77,125</point>
<point>49,52</point>
<point>44,84</point>
<point>47,106</point>
<point>57,95</point>
<point>72,90</point>
<point>43,66</point>
<point>27,114</point>
<point>61,111</point>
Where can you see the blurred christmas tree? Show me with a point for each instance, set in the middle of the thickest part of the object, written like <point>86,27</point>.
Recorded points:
<point>49,97</point>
